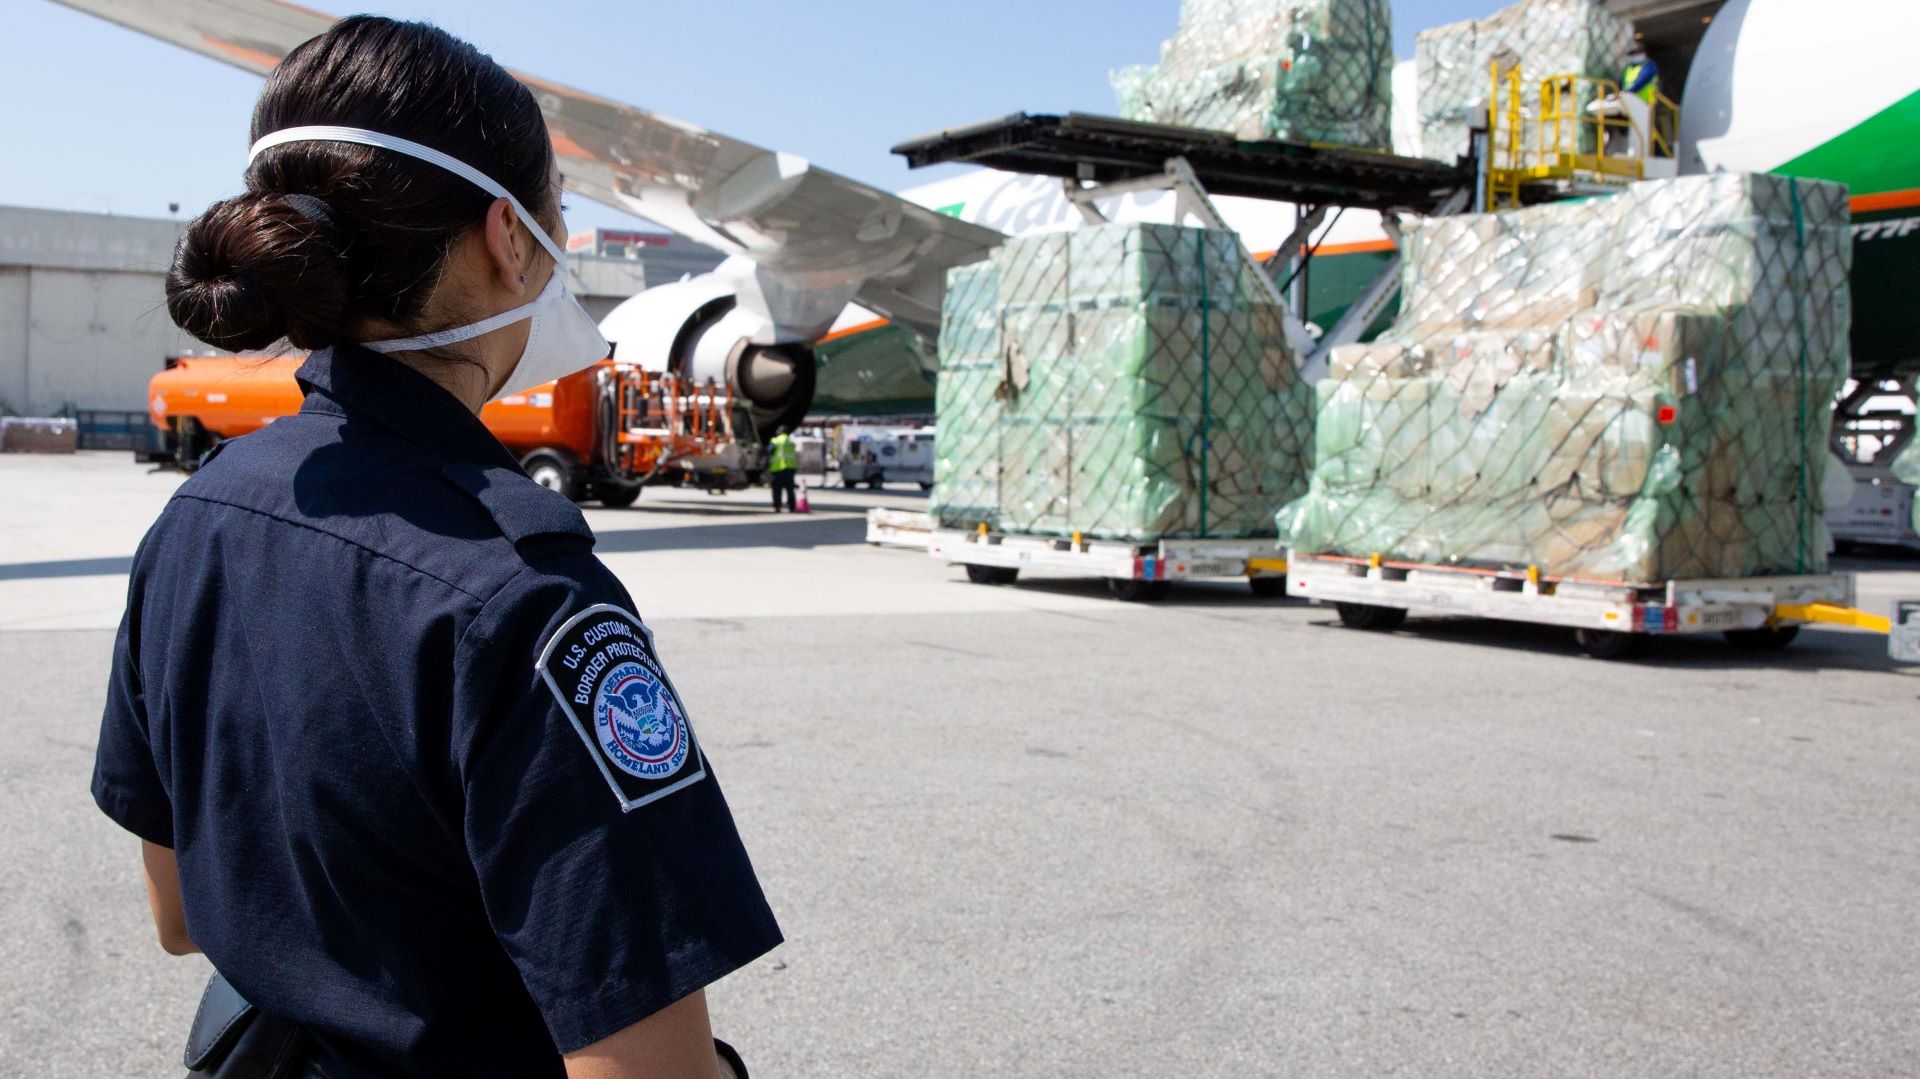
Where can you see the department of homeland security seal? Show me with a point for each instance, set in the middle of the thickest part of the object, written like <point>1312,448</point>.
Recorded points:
<point>641,730</point>
<point>601,667</point>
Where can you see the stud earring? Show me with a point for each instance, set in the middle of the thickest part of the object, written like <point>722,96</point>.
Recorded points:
<point>523,279</point>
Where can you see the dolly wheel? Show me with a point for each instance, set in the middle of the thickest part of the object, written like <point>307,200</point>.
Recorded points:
<point>1268,587</point>
<point>1369,616</point>
<point>1612,643</point>
<point>1128,590</point>
<point>992,574</point>
<point>1764,639</point>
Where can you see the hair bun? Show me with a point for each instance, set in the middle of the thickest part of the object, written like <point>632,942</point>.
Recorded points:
<point>252,270</point>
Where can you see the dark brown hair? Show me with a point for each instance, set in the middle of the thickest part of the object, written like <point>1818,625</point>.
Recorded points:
<point>254,269</point>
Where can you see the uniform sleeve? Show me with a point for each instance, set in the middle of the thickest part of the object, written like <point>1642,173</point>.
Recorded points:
<point>126,782</point>
<point>606,855</point>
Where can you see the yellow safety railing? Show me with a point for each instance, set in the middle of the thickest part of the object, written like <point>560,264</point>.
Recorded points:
<point>1571,128</point>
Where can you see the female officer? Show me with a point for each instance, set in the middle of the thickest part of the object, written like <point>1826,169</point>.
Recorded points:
<point>406,765</point>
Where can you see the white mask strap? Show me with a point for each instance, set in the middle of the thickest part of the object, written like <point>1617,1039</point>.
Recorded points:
<point>474,329</point>
<point>431,156</point>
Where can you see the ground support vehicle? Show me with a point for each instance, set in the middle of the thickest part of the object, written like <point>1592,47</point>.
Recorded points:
<point>887,455</point>
<point>1136,572</point>
<point>1903,643</point>
<point>602,433</point>
<point>1611,619</point>
<point>657,429</point>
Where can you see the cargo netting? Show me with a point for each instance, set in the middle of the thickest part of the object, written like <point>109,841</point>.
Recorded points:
<point>1304,70</point>
<point>1454,63</point>
<point>1906,469</point>
<point>1127,381</point>
<point>1632,388</point>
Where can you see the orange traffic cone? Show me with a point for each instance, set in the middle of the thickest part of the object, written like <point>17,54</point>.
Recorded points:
<point>800,497</point>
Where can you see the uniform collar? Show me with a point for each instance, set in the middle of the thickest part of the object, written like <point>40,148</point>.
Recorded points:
<point>362,382</point>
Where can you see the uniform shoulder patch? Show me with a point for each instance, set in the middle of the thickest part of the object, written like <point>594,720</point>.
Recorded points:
<point>602,669</point>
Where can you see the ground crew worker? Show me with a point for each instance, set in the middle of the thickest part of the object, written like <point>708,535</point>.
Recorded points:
<point>1641,78</point>
<point>405,764</point>
<point>1639,88</point>
<point>783,462</point>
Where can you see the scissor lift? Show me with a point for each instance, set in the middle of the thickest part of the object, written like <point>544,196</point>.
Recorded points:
<point>1570,135</point>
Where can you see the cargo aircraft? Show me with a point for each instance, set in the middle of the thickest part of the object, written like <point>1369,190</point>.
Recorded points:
<point>830,298</point>
<point>802,242</point>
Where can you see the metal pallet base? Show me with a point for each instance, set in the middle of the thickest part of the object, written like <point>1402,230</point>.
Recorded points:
<point>1704,606</point>
<point>1167,560</point>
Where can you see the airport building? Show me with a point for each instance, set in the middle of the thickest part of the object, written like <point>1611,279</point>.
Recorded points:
<point>666,257</point>
<point>83,318</point>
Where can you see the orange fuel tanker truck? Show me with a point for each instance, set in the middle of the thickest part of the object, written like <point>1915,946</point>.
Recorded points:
<point>602,433</point>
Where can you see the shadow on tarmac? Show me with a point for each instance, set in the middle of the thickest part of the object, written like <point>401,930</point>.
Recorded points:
<point>798,532</point>
<point>1815,650</point>
<point>66,567</point>
<point>737,507</point>
<point>1225,592</point>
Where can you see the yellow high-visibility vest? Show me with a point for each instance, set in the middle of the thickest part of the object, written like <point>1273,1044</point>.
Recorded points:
<point>785,456</point>
<point>1645,93</point>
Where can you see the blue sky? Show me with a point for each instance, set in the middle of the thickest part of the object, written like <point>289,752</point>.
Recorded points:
<point>99,118</point>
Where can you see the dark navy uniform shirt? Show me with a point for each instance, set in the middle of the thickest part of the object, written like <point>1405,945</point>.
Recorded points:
<point>430,791</point>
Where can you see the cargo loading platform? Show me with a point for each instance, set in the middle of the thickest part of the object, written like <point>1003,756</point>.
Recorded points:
<point>1105,150</point>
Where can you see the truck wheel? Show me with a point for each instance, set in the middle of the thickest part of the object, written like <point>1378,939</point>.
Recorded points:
<point>1764,639</point>
<point>926,487</point>
<point>874,483</point>
<point>1128,590</point>
<point>550,471</point>
<point>191,441</point>
<point>1612,643</point>
<point>616,495</point>
<point>992,574</point>
<point>1268,587</point>
<point>1369,616</point>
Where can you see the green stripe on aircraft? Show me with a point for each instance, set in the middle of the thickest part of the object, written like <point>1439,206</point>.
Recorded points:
<point>1878,154</point>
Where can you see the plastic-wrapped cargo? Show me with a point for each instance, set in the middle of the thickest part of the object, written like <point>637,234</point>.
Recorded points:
<point>1627,388</point>
<point>1545,37</point>
<point>1305,70</point>
<point>1129,381</point>
<point>1906,468</point>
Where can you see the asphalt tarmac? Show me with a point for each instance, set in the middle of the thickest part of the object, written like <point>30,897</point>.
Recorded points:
<point>1031,831</point>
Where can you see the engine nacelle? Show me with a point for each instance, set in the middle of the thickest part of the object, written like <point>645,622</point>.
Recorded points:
<point>697,330</point>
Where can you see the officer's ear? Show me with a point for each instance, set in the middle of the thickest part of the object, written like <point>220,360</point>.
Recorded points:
<point>510,250</point>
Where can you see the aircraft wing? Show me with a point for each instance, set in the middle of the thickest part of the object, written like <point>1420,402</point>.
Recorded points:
<point>810,230</point>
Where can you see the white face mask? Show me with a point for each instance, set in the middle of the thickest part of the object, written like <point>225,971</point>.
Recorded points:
<point>563,337</point>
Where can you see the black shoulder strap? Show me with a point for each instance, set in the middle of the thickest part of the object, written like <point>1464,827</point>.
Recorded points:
<point>520,507</point>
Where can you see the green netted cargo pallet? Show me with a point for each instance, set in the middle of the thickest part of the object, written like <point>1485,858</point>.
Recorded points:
<point>1126,382</point>
<point>1906,468</point>
<point>1629,388</point>
<point>1453,63</point>
<point>1306,70</point>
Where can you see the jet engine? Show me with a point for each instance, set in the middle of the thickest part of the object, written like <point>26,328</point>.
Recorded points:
<point>697,329</point>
